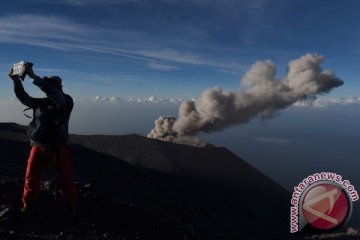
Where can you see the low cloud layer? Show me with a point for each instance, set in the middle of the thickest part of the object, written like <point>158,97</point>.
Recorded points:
<point>217,109</point>
<point>328,102</point>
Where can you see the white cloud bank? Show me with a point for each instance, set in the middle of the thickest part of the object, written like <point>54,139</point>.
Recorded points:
<point>151,99</point>
<point>308,103</point>
<point>328,102</point>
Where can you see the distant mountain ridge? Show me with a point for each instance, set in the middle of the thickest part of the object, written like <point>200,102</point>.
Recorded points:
<point>212,189</point>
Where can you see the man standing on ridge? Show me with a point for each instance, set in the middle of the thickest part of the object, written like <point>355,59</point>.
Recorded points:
<point>49,138</point>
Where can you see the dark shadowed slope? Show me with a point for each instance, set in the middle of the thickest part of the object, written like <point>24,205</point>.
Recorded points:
<point>210,190</point>
<point>214,163</point>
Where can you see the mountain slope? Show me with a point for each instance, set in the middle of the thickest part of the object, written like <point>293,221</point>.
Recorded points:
<point>210,189</point>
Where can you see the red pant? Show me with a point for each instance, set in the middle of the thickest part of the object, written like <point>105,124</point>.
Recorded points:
<point>39,159</point>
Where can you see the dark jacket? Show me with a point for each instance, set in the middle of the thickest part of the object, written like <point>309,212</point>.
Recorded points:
<point>55,96</point>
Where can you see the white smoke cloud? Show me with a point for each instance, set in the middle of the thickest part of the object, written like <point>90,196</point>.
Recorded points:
<point>217,109</point>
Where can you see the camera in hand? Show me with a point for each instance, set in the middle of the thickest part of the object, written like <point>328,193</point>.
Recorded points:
<point>19,69</point>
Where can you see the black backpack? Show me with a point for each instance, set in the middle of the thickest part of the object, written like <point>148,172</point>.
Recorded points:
<point>44,127</point>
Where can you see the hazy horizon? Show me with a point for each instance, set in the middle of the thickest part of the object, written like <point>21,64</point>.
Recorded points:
<point>301,139</point>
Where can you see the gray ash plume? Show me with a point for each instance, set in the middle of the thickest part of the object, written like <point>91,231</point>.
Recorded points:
<point>217,109</point>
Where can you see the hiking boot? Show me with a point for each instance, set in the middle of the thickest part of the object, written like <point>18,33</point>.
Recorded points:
<point>71,214</point>
<point>71,210</point>
<point>28,210</point>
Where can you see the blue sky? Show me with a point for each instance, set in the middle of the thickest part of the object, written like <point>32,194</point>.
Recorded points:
<point>173,48</point>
